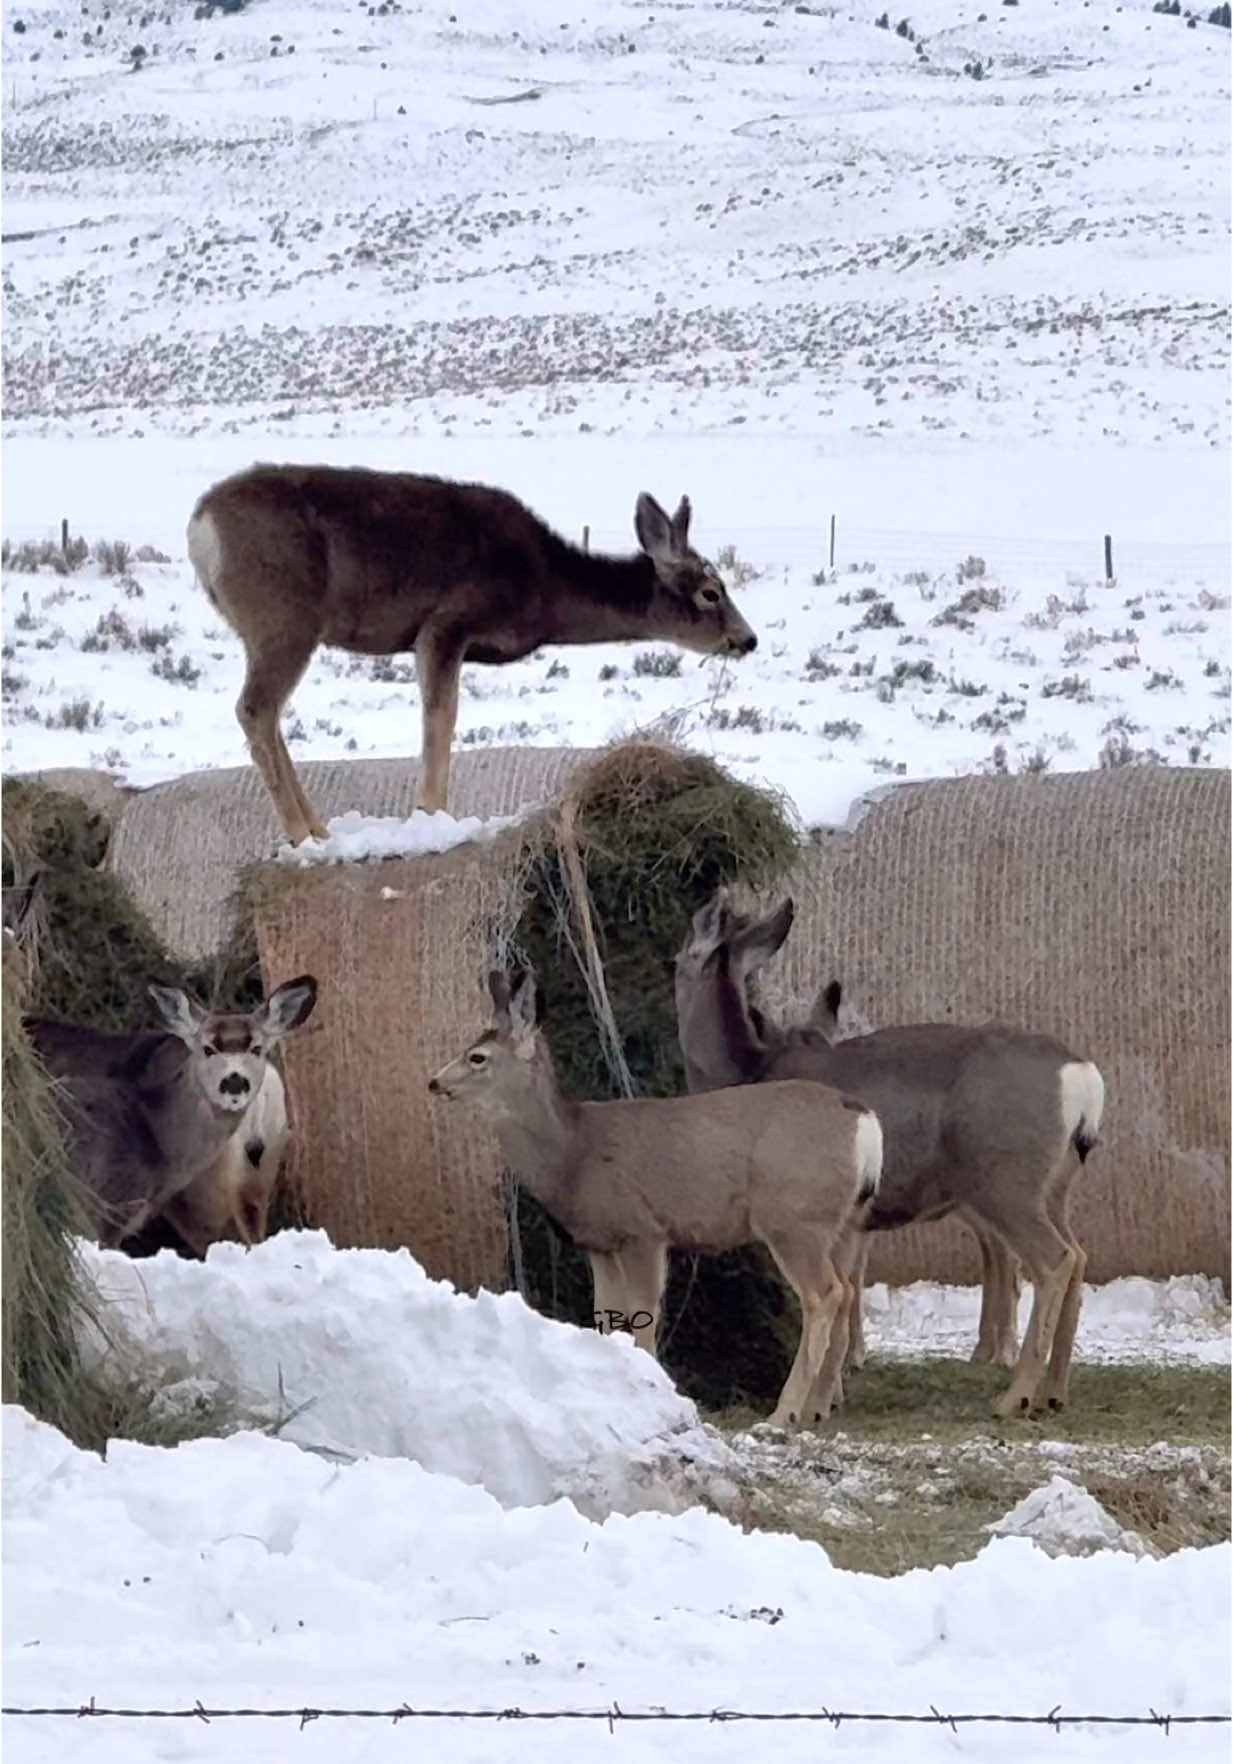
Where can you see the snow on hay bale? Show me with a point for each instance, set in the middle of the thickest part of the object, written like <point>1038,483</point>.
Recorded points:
<point>179,847</point>
<point>1092,905</point>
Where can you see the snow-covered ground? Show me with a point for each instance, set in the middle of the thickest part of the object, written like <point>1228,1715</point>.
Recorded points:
<point>248,1573</point>
<point>963,288</point>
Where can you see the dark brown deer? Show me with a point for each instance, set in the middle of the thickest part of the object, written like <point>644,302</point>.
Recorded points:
<point>380,563</point>
<point>148,1115</point>
<point>786,1166</point>
<point>992,1122</point>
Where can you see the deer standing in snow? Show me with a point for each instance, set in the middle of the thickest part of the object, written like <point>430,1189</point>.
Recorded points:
<point>148,1115</point>
<point>990,1122</point>
<point>379,563</point>
<point>786,1165</point>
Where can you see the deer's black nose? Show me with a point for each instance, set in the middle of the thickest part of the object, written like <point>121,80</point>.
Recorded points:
<point>751,642</point>
<point>234,1084</point>
<point>434,1086</point>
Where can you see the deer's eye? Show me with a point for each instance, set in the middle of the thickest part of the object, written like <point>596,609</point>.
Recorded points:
<point>476,1058</point>
<point>709,595</point>
<point>209,1051</point>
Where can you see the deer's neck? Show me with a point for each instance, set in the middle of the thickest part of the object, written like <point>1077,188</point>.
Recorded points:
<point>719,1039</point>
<point>189,1130</point>
<point>601,599</point>
<point>538,1133</point>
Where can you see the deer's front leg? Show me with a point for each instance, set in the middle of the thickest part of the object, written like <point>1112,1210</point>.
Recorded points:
<point>438,661</point>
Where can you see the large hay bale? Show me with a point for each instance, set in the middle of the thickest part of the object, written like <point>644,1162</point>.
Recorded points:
<point>1095,906</point>
<point>179,847</point>
<point>400,950</point>
<point>90,950</point>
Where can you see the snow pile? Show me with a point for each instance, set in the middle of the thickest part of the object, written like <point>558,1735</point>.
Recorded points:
<point>1065,1520</point>
<point>354,837</point>
<point>358,1351</point>
<point>246,1573</point>
<point>1133,1319</point>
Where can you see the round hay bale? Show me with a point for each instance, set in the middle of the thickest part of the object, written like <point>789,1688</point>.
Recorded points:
<point>102,792</point>
<point>399,949</point>
<point>180,847</point>
<point>1094,906</point>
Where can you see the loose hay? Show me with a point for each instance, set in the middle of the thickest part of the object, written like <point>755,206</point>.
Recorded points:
<point>643,836</point>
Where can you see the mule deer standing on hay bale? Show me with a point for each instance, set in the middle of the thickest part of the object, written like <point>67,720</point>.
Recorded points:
<point>979,1121</point>
<point>786,1166</point>
<point>379,563</point>
<point>148,1115</point>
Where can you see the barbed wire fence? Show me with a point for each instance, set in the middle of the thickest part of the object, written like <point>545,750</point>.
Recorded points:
<point>614,1716</point>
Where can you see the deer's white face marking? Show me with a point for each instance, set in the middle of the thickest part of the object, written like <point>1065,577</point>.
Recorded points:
<point>229,1053</point>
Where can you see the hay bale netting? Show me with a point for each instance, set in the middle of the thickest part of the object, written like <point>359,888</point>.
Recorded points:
<point>1095,906</point>
<point>399,949</point>
<point>180,847</point>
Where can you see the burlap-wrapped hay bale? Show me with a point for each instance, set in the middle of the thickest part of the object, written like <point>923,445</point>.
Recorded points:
<point>400,949</point>
<point>1093,905</point>
<point>179,847</point>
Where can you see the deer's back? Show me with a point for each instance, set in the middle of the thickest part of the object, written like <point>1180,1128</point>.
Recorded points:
<point>705,1171</point>
<point>364,557</point>
<point>947,1095</point>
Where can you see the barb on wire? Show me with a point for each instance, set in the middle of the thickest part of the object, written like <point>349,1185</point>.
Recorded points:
<point>933,1717</point>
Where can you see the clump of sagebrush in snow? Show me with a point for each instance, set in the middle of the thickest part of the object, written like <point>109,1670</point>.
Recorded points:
<point>657,664</point>
<point>879,615</point>
<point>1069,686</point>
<point>738,570</point>
<point>985,597</point>
<point>820,667</point>
<point>33,555</point>
<point>75,713</point>
<point>184,672</point>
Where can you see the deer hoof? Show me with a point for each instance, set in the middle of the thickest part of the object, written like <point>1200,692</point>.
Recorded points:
<point>1009,1404</point>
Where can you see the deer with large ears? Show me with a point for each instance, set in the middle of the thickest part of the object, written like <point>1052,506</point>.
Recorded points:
<point>147,1115</point>
<point>787,1165</point>
<point>992,1123</point>
<point>380,563</point>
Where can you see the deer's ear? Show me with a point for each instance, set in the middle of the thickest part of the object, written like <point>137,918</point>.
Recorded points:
<point>526,1005</point>
<point>288,1006</point>
<point>654,529</point>
<point>498,991</point>
<point>825,1012</point>
<point>756,943</point>
<point>708,923</point>
<point>182,1015</point>
<point>680,523</point>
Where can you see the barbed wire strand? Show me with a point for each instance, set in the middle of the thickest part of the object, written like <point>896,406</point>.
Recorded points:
<point>934,1717</point>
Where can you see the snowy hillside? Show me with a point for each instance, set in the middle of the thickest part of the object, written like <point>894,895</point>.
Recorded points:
<point>963,288</point>
<point>958,279</point>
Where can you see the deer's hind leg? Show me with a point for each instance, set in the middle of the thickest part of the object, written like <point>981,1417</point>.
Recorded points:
<point>826,1391</point>
<point>806,1263</point>
<point>997,1341</point>
<point>1057,1378</point>
<point>438,660</point>
<point>1020,1214</point>
<point>855,1357</point>
<point>274,671</point>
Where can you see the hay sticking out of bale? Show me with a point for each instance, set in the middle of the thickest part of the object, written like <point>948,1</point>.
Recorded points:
<point>641,839</point>
<point>45,1296</point>
<point>93,952</point>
